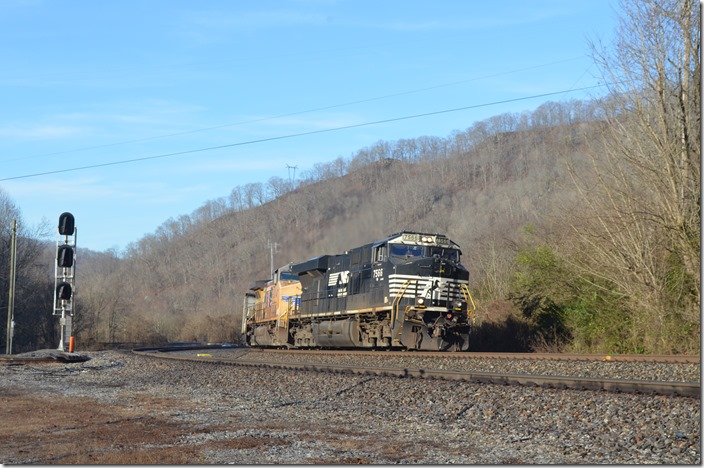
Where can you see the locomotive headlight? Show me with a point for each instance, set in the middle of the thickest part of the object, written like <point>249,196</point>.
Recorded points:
<point>420,302</point>
<point>459,305</point>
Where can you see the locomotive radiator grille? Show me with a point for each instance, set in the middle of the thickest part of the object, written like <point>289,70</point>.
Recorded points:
<point>426,286</point>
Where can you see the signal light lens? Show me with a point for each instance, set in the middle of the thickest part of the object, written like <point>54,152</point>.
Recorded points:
<point>64,256</point>
<point>67,224</point>
<point>63,291</point>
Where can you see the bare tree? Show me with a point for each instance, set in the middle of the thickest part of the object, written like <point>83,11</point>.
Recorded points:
<point>276,187</point>
<point>33,292</point>
<point>253,194</point>
<point>641,231</point>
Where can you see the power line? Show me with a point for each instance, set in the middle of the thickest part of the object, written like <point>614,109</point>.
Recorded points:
<point>291,114</point>
<point>294,135</point>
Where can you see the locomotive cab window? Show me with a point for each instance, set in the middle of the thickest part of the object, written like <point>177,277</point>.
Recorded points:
<point>380,253</point>
<point>286,276</point>
<point>448,254</point>
<point>406,251</point>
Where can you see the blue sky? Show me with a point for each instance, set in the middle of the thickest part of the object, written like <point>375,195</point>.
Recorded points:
<point>88,83</point>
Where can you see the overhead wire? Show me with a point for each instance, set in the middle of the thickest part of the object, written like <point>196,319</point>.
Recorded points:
<point>295,135</point>
<point>290,114</point>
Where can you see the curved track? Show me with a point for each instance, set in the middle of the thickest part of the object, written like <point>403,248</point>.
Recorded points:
<point>673,359</point>
<point>688,389</point>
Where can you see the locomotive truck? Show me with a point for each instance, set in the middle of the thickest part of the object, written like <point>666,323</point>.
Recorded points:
<point>406,291</point>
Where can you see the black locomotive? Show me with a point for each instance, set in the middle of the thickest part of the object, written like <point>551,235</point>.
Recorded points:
<point>408,290</point>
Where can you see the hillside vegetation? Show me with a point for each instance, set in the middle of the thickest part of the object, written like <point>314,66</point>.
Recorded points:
<point>502,189</point>
<point>481,187</point>
<point>579,221</point>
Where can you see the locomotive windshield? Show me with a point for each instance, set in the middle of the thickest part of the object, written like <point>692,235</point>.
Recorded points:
<point>415,251</point>
<point>286,276</point>
<point>449,254</point>
<point>406,251</point>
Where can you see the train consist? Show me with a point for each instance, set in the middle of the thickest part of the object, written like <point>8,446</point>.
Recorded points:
<point>408,290</point>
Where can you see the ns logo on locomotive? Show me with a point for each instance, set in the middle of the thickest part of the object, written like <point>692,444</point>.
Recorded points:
<point>408,290</point>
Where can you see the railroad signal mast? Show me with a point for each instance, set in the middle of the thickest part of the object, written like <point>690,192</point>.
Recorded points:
<point>65,278</point>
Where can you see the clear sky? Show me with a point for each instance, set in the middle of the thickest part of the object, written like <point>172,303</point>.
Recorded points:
<point>91,83</point>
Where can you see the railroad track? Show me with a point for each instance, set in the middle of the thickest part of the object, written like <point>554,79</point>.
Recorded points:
<point>672,359</point>
<point>687,389</point>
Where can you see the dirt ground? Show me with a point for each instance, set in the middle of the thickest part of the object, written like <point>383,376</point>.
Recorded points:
<point>37,427</point>
<point>62,430</point>
<point>122,409</point>
<point>46,430</point>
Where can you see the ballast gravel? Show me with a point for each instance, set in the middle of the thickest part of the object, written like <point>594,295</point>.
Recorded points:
<point>666,372</point>
<point>302,417</point>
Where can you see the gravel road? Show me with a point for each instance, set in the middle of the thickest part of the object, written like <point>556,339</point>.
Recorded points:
<point>243,415</point>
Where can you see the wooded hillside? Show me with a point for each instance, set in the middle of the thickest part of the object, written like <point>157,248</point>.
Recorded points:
<point>502,189</point>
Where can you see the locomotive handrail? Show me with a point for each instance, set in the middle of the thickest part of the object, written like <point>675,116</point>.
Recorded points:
<point>282,321</point>
<point>397,301</point>
<point>394,308</point>
<point>290,310</point>
<point>468,298</point>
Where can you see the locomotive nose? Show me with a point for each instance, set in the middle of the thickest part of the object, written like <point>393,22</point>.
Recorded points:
<point>444,268</point>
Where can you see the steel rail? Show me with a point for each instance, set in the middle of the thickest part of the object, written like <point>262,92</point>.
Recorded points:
<point>672,359</point>
<point>686,389</point>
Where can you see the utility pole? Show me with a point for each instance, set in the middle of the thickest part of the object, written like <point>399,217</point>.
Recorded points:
<point>11,295</point>
<point>272,247</point>
<point>291,180</point>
